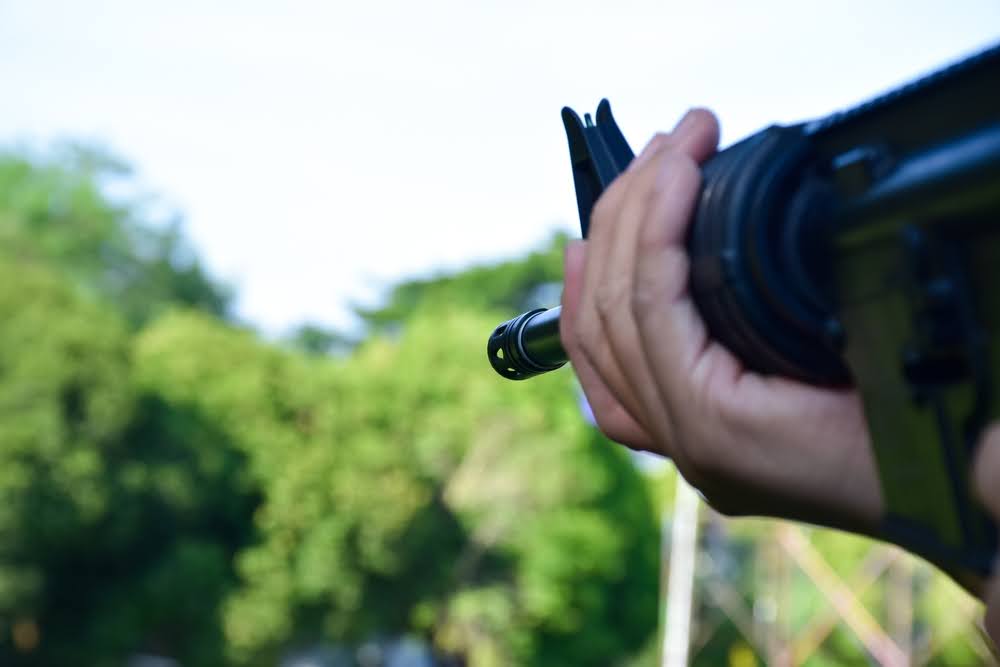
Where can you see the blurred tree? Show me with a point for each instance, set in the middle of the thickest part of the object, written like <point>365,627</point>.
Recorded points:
<point>56,209</point>
<point>403,493</point>
<point>64,402</point>
<point>171,484</point>
<point>119,514</point>
<point>318,340</point>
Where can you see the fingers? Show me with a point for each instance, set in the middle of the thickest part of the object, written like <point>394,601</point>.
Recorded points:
<point>612,296</point>
<point>611,417</point>
<point>605,219</point>
<point>697,134</point>
<point>671,331</point>
<point>606,284</point>
<point>630,376</point>
<point>604,341</point>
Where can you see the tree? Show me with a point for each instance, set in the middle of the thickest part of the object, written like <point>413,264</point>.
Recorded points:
<point>317,340</point>
<point>171,483</point>
<point>403,493</point>
<point>120,514</point>
<point>55,210</point>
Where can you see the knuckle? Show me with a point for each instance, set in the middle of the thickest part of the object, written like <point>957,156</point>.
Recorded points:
<point>656,143</point>
<point>609,297</point>
<point>700,115</point>
<point>659,141</point>
<point>652,290</point>
<point>704,119</point>
<point>646,296</point>
<point>587,337</point>
<point>674,169</point>
<point>678,165</point>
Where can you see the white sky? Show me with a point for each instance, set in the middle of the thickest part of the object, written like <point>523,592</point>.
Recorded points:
<point>322,150</point>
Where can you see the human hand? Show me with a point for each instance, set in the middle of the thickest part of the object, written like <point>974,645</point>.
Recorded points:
<point>656,381</point>
<point>987,480</point>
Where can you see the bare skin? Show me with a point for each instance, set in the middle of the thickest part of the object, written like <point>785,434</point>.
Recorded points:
<point>987,478</point>
<point>751,444</point>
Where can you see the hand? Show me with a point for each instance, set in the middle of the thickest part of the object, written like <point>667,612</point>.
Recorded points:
<point>656,381</point>
<point>987,479</point>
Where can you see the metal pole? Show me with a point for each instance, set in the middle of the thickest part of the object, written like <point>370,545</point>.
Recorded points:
<point>680,587</point>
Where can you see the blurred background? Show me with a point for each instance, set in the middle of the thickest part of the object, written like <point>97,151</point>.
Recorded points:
<point>249,256</point>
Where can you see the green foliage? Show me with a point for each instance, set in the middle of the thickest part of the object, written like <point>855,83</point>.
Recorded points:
<point>54,210</point>
<point>172,484</point>
<point>118,513</point>
<point>318,341</point>
<point>402,494</point>
<point>64,401</point>
<point>390,491</point>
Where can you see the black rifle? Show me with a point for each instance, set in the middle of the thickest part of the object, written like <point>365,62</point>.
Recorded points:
<point>862,248</point>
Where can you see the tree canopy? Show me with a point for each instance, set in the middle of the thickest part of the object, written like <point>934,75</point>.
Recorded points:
<point>172,483</point>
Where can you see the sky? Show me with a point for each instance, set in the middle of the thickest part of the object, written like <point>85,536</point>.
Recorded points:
<point>321,151</point>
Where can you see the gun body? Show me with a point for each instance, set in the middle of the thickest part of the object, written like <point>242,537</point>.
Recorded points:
<point>915,247</point>
<point>862,248</point>
<point>921,312</point>
<point>917,293</point>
